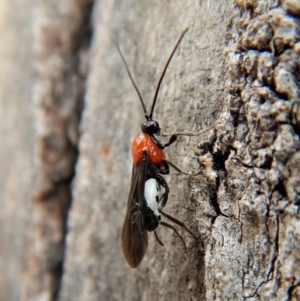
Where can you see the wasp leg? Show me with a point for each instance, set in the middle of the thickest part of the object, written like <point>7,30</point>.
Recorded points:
<point>158,239</point>
<point>175,230</point>
<point>189,133</point>
<point>164,198</point>
<point>179,170</point>
<point>177,222</point>
<point>172,139</point>
<point>164,168</point>
<point>157,141</point>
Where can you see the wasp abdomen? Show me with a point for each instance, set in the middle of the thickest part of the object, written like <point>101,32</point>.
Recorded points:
<point>151,195</point>
<point>152,216</point>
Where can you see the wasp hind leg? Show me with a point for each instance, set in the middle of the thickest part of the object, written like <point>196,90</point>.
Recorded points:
<point>177,222</point>
<point>158,239</point>
<point>167,225</point>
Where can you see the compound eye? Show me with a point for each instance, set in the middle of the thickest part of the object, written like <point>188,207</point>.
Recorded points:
<point>155,125</point>
<point>155,128</point>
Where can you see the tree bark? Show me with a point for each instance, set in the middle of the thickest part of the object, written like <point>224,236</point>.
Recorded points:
<point>67,130</point>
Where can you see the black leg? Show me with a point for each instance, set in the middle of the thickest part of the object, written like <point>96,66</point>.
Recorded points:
<point>154,172</point>
<point>175,230</point>
<point>164,168</point>
<point>177,222</point>
<point>179,170</point>
<point>172,139</point>
<point>157,141</point>
<point>158,239</point>
<point>190,133</point>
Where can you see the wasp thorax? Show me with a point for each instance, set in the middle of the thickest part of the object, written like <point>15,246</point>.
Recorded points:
<point>150,127</point>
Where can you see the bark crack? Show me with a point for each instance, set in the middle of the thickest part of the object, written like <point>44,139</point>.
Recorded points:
<point>273,262</point>
<point>59,106</point>
<point>291,290</point>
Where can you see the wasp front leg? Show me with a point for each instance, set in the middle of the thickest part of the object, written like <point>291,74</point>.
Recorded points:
<point>172,139</point>
<point>157,141</point>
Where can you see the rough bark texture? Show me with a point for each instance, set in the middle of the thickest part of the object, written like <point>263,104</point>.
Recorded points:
<point>65,155</point>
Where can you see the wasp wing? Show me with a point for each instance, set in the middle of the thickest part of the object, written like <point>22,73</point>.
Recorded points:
<point>134,234</point>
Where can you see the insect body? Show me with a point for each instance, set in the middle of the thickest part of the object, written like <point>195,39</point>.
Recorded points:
<point>144,207</point>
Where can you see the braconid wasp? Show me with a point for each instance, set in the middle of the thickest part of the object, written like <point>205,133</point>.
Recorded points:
<point>145,205</point>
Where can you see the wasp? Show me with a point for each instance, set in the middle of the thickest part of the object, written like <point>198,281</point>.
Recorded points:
<point>145,204</point>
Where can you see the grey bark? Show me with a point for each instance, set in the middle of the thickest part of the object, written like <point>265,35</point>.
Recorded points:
<point>17,145</point>
<point>65,156</point>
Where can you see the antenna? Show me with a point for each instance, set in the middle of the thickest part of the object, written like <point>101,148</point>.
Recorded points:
<point>163,73</point>
<point>134,84</point>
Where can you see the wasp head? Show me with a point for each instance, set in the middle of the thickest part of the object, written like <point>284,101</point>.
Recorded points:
<point>150,127</point>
